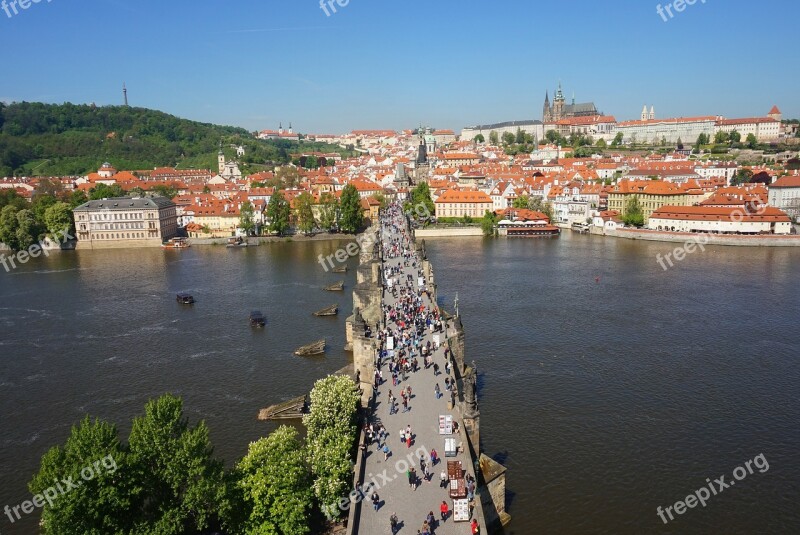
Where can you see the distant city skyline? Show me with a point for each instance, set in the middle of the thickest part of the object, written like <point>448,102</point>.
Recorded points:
<point>256,64</point>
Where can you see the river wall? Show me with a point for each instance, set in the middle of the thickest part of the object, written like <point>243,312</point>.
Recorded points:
<point>791,240</point>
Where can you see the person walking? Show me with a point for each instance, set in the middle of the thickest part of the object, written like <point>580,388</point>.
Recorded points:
<point>437,391</point>
<point>386,452</point>
<point>376,500</point>
<point>474,527</point>
<point>444,510</point>
<point>393,523</point>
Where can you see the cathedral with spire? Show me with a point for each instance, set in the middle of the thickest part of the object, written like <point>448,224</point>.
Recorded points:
<point>559,109</point>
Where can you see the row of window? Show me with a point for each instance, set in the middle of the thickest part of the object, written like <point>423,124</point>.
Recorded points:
<point>119,236</point>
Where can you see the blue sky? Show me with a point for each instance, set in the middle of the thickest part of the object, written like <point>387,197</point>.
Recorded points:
<point>396,64</point>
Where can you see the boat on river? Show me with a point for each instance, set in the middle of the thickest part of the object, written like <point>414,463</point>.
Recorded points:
<point>328,311</point>
<point>184,299</point>
<point>337,287</point>
<point>176,243</point>
<point>342,269</point>
<point>314,348</point>
<point>257,319</point>
<point>238,241</point>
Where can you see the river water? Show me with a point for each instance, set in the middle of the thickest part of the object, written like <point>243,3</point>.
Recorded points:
<point>608,386</point>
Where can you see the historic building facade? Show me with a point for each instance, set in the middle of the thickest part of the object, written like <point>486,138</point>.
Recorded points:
<point>125,222</point>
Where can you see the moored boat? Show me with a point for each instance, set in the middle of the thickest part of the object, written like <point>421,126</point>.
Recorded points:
<point>184,299</point>
<point>314,348</point>
<point>328,311</point>
<point>257,319</point>
<point>237,241</point>
<point>342,269</point>
<point>176,243</point>
<point>337,287</point>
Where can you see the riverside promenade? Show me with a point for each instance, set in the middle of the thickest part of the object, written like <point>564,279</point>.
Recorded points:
<point>412,319</point>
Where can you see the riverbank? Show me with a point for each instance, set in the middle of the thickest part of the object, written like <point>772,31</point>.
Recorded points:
<point>451,232</point>
<point>259,240</point>
<point>791,240</point>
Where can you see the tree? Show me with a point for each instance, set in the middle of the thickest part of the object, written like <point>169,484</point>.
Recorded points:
<point>101,501</point>
<point>493,138</point>
<point>735,137</point>
<point>9,226</point>
<point>632,214</point>
<point>331,426</point>
<point>617,141</point>
<point>601,143</point>
<point>59,220</point>
<point>247,220</point>
<point>162,190</point>
<point>521,202</point>
<point>679,146</point>
<point>488,223</point>
<point>520,137</point>
<point>329,211</point>
<point>720,137</point>
<point>104,191</point>
<point>352,216</point>
<point>28,229</point>
<point>751,141</point>
<point>742,176</point>
<point>278,212</point>
<point>508,138</point>
<point>421,204</point>
<point>479,139</point>
<point>286,177</point>
<point>702,139</point>
<point>180,486</point>
<point>303,204</point>
<point>276,484</point>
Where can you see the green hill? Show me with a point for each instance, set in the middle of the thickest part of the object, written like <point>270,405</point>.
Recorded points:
<point>66,139</point>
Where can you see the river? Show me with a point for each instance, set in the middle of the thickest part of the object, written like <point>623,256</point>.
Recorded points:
<point>608,386</point>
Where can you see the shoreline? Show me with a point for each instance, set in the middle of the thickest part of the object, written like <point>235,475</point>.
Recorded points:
<point>728,240</point>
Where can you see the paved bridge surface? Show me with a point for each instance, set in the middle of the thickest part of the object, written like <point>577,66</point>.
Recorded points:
<point>396,495</point>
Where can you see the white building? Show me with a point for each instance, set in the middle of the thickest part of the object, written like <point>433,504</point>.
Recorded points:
<point>784,194</point>
<point>125,222</point>
<point>721,219</point>
<point>534,128</point>
<point>654,131</point>
<point>763,128</point>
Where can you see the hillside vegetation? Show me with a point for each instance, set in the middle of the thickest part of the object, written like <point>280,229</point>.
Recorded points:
<point>66,139</point>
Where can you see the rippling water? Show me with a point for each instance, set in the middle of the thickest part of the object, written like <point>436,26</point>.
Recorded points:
<point>609,386</point>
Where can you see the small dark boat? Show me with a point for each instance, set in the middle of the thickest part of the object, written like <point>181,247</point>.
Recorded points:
<point>184,299</point>
<point>342,269</point>
<point>237,242</point>
<point>257,319</point>
<point>338,287</point>
<point>315,348</point>
<point>329,311</point>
